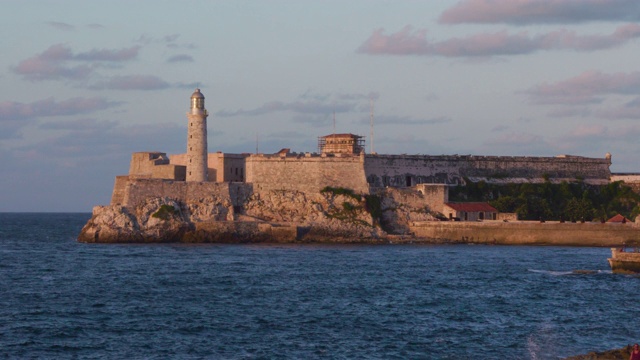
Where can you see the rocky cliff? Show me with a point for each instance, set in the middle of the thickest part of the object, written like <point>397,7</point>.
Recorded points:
<point>331,215</point>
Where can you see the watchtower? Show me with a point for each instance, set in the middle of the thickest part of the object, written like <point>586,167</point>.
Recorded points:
<point>197,151</point>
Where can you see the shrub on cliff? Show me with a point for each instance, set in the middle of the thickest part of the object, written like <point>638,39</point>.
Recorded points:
<point>341,191</point>
<point>164,212</point>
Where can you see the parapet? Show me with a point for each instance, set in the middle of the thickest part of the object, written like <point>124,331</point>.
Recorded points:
<point>155,165</point>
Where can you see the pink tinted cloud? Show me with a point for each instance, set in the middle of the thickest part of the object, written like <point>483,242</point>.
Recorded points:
<point>414,42</point>
<point>404,42</point>
<point>522,12</point>
<point>588,87</point>
<point>54,62</point>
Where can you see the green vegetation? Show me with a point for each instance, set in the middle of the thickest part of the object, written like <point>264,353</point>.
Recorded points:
<point>373,204</point>
<point>341,191</point>
<point>565,201</point>
<point>165,212</point>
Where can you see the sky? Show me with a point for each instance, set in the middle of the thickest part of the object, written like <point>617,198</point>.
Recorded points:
<point>87,83</point>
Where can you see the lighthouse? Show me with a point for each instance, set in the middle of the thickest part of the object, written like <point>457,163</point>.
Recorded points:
<point>197,151</point>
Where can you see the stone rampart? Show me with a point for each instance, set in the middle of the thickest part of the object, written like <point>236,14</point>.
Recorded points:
<point>409,170</point>
<point>133,192</point>
<point>305,173</point>
<point>529,233</point>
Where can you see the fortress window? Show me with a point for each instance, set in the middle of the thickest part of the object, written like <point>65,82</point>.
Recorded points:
<point>236,171</point>
<point>190,136</point>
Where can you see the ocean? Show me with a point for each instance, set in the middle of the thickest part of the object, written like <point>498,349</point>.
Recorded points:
<point>63,299</point>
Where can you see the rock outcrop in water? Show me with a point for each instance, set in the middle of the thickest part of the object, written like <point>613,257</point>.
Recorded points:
<point>332,215</point>
<point>617,354</point>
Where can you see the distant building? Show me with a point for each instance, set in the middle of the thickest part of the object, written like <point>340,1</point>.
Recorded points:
<point>471,211</point>
<point>341,144</point>
<point>619,219</point>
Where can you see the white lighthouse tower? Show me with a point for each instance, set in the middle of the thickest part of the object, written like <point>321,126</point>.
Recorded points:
<point>197,151</point>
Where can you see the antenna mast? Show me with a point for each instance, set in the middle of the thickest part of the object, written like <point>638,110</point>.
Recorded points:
<point>371,120</point>
<point>334,122</point>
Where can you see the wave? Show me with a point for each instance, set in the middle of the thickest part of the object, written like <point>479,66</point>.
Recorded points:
<point>570,272</point>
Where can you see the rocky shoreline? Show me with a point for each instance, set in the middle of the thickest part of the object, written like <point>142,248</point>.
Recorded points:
<point>616,354</point>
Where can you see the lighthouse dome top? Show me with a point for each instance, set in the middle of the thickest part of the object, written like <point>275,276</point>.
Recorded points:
<point>197,94</point>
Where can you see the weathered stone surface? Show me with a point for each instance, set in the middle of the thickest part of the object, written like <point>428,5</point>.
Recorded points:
<point>616,354</point>
<point>269,216</point>
<point>401,207</point>
<point>157,220</point>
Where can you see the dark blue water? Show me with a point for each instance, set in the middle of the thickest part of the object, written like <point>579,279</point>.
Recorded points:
<point>62,299</point>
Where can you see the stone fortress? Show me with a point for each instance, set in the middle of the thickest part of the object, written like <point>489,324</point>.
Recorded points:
<point>289,191</point>
<point>341,161</point>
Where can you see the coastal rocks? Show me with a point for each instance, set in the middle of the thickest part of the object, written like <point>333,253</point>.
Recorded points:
<point>271,216</point>
<point>157,220</point>
<point>617,354</point>
<point>326,215</point>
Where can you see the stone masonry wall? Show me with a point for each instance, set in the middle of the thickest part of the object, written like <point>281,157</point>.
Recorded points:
<point>137,191</point>
<point>305,173</point>
<point>409,170</point>
<point>530,233</point>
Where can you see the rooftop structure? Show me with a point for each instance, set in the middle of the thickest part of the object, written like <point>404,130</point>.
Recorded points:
<point>341,144</point>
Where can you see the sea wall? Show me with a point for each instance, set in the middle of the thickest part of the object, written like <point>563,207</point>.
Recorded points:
<point>133,192</point>
<point>410,170</point>
<point>306,173</point>
<point>530,233</point>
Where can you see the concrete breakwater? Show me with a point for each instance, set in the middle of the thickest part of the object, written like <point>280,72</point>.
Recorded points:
<point>530,233</point>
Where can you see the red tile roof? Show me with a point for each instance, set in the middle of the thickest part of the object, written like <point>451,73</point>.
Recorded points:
<point>618,219</point>
<point>472,207</point>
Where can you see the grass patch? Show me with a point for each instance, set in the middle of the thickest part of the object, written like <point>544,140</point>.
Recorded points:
<point>341,191</point>
<point>165,212</point>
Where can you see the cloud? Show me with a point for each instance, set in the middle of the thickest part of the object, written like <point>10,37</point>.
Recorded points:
<point>53,63</point>
<point>524,12</point>
<point>15,116</point>
<point>404,120</point>
<point>109,55</point>
<point>307,103</point>
<point>586,88</point>
<point>61,26</point>
<point>571,112</point>
<point>132,82</point>
<point>630,110</point>
<point>180,58</point>
<point>408,41</point>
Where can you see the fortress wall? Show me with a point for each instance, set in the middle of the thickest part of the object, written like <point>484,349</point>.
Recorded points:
<point>435,195</point>
<point>409,170</point>
<point>119,188</point>
<point>144,163</point>
<point>530,233</point>
<point>626,178</point>
<point>221,167</point>
<point>305,173</point>
<point>137,191</point>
